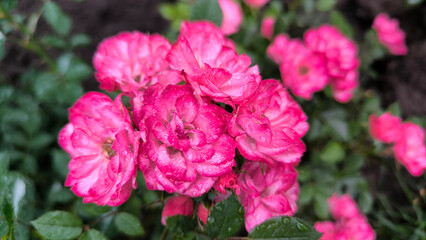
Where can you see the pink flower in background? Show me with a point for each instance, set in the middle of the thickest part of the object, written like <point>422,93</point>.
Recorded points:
<point>340,56</point>
<point>410,149</point>
<point>267,27</point>
<point>186,147</point>
<point>256,3</point>
<point>227,181</point>
<point>342,207</point>
<point>103,146</point>
<point>131,61</point>
<point>303,71</point>
<point>328,230</point>
<point>389,34</point>
<point>211,65</point>
<point>269,126</point>
<point>177,205</point>
<point>267,192</point>
<point>385,128</point>
<point>232,16</point>
<point>203,213</point>
<point>350,223</point>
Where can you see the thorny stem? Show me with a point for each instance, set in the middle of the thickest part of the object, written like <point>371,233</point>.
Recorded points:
<point>29,42</point>
<point>113,212</point>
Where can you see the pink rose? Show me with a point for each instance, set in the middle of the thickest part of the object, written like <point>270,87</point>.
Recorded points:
<point>327,229</point>
<point>203,213</point>
<point>269,126</point>
<point>385,128</point>
<point>267,192</point>
<point>267,27</point>
<point>256,3</point>
<point>177,205</point>
<point>227,181</point>
<point>302,71</point>
<point>410,149</point>
<point>340,56</point>
<point>103,146</point>
<point>211,65</point>
<point>131,61</point>
<point>389,34</point>
<point>350,223</point>
<point>185,145</point>
<point>232,16</point>
<point>342,207</point>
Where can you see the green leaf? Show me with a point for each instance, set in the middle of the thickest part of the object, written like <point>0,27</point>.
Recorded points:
<point>57,19</point>
<point>353,163</point>
<point>325,5</point>
<point>129,224</point>
<point>78,40</point>
<point>60,161</point>
<point>288,228</point>
<point>338,20</point>
<point>2,44</point>
<point>333,153</point>
<point>54,41</point>
<point>9,5</point>
<point>321,206</point>
<point>207,10</point>
<point>59,194</point>
<point>180,224</point>
<point>366,202</point>
<point>395,109</point>
<point>225,218</point>
<point>58,225</point>
<point>93,234</point>
<point>4,162</point>
<point>336,120</point>
<point>45,85</point>
<point>72,68</point>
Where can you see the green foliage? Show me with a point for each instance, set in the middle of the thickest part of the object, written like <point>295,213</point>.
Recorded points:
<point>325,5</point>
<point>225,218</point>
<point>207,10</point>
<point>284,228</point>
<point>56,18</point>
<point>58,225</point>
<point>180,225</point>
<point>129,224</point>
<point>92,234</point>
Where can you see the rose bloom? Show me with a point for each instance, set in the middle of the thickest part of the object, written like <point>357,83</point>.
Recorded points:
<point>267,27</point>
<point>232,16</point>
<point>267,192</point>
<point>269,126</point>
<point>211,65</point>
<point>385,128</point>
<point>341,59</point>
<point>389,34</point>
<point>410,149</point>
<point>185,145</point>
<point>227,181</point>
<point>130,61</point>
<point>350,223</point>
<point>256,3</point>
<point>302,71</point>
<point>103,147</point>
<point>177,205</point>
<point>203,213</point>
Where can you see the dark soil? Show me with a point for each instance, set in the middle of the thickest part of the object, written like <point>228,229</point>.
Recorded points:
<point>402,79</point>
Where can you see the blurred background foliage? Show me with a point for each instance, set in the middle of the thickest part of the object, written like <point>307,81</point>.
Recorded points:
<point>43,72</point>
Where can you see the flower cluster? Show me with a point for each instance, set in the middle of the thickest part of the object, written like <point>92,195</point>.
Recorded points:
<point>389,34</point>
<point>350,223</point>
<point>193,103</point>
<point>325,57</point>
<point>408,138</point>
